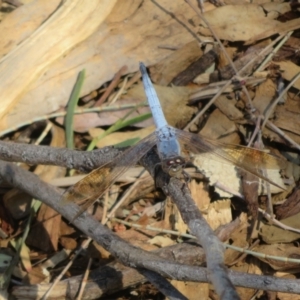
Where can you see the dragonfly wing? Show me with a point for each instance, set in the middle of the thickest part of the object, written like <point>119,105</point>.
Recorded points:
<point>98,181</point>
<point>249,159</point>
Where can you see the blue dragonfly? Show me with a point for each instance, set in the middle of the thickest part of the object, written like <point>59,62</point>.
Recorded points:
<point>167,140</point>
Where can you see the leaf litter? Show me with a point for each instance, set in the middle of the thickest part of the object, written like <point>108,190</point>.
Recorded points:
<point>184,84</point>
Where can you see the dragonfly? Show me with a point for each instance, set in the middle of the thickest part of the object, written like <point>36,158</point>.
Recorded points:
<point>168,141</point>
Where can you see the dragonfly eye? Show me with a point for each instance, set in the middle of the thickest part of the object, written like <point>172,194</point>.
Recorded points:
<point>170,162</point>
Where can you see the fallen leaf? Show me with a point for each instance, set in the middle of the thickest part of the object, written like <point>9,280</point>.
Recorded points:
<point>120,137</point>
<point>31,58</point>
<point>239,22</point>
<point>126,30</point>
<point>161,241</point>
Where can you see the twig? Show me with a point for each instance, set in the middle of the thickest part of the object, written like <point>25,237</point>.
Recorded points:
<point>201,113</point>
<point>66,268</point>
<point>270,56</point>
<point>272,126</point>
<point>189,236</point>
<point>191,216</point>
<point>127,254</point>
<point>120,91</point>
<point>111,86</point>
<point>202,17</point>
<point>44,133</point>
<point>84,279</point>
<point>278,99</point>
<point>46,155</point>
<point>125,196</point>
<point>278,223</point>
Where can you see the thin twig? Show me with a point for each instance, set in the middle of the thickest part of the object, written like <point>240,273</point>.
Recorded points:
<point>278,99</point>
<point>202,17</point>
<point>272,126</point>
<point>270,56</point>
<point>125,196</point>
<point>278,223</point>
<point>126,253</point>
<point>111,86</point>
<point>84,279</point>
<point>201,113</point>
<point>189,236</point>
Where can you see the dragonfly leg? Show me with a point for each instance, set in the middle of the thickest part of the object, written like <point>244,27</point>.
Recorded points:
<point>156,170</point>
<point>186,176</point>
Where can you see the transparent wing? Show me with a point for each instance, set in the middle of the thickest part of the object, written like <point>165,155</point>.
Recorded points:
<point>249,159</point>
<point>91,187</point>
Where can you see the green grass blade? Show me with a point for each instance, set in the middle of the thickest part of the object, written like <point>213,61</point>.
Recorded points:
<point>118,125</point>
<point>72,104</point>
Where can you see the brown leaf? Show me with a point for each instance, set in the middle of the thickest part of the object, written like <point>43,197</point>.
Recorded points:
<point>34,55</point>
<point>48,220</point>
<point>239,22</point>
<point>123,31</point>
<point>119,137</point>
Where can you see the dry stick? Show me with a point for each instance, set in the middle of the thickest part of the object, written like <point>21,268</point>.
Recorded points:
<point>133,80</point>
<point>185,235</point>
<point>191,215</point>
<point>125,196</point>
<point>120,91</point>
<point>201,16</point>
<point>46,155</point>
<point>274,104</point>
<point>273,127</point>
<point>213,248</point>
<point>127,254</point>
<point>111,86</point>
<point>44,133</point>
<point>270,56</point>
<point>207,106</point>
<point>84,246</point>
<point>65,269</point>
<point>84,279</point>
<point>256,130</point>
<point>278,223</point>
<point>266,60</point>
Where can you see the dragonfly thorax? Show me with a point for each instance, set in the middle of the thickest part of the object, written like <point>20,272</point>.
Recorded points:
<point>173,166</point>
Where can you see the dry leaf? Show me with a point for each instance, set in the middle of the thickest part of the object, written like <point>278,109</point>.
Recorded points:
<point>281,250</point>
<point>218,213</point>
<point>163,72</point>
<point>129,32</point>
<point>273,234</point>
<point>173,101</point>
<point>239,22</point>
<point>226,177</point>
<point>220,127</point>
<point>264,95</point>
<point>290,70</point>
<point>161,241</point>
<point>70,23</point>
<point>119,137</point>
<point>48,219</point>
<point>192,290</point>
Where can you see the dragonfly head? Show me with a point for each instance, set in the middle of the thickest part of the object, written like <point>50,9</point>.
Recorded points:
<point>173,166</point>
